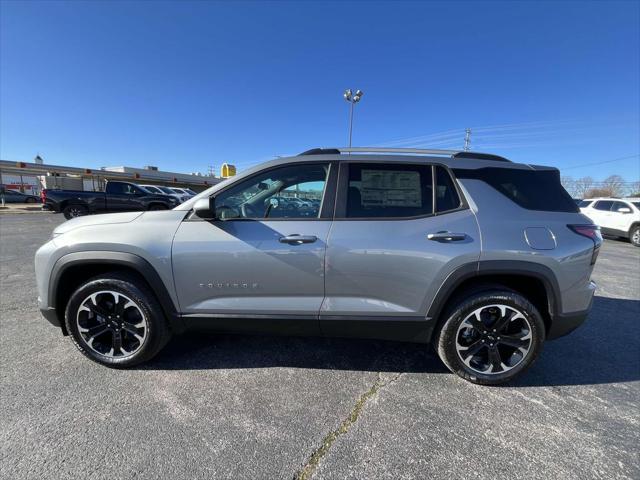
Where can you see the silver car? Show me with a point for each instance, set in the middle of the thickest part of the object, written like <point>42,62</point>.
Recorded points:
<point>483,258</point>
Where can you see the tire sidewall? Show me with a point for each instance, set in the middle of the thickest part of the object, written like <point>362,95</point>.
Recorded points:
<point>67,214</point>
<point>147,305</point>
<point>635,230</point>
<point>446,342</point>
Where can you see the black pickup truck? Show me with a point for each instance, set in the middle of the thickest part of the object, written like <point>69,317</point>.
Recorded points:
<point>117,197</point>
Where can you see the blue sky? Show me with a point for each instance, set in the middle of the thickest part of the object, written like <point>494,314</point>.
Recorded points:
<point>184,85</point>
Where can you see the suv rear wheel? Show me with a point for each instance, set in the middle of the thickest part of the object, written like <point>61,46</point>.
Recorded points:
<point>491,337</point>
<point>115,321</point>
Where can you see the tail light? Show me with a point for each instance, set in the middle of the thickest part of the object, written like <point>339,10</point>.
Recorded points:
<point>43,195</point>
<point>592,232</point>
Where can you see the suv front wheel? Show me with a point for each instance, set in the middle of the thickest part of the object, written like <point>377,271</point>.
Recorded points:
<point>491,337</point>
<point>634,235</point>
<point>116,320</point>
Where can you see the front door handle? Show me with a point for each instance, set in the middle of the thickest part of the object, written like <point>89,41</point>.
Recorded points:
<point>447,237</point>
<point>296,239</point>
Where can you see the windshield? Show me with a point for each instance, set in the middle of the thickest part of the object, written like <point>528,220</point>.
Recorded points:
<point>167,190</point>
<point>189,191</point>
<point>584,203</point>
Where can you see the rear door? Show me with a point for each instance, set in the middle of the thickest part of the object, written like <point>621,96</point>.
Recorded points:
<point>261,263</point>
<point>621,221</point>
<point>400,229</point>
<point>601,213</point>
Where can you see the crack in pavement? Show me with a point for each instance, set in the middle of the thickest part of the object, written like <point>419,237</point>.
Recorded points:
<point>307,471</point>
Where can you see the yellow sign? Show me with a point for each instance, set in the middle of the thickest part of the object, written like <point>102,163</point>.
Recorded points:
<point>227,170</point>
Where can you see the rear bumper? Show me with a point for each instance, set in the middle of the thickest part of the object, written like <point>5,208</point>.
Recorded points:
<point>565,323</point>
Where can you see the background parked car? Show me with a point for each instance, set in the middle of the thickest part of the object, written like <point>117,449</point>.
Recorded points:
<point>153,189</point>
<point>183,191</point>
<point>12,196</point>
<point>619,217</point>
<point>117,197</point>
<point>179,196</point>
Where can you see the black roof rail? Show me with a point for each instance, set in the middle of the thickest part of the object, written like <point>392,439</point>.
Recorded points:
<point>406,151</point>
<point>480,156</point>
<point>321,151</point>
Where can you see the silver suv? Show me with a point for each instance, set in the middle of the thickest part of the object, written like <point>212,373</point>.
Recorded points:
<point>482,257</point>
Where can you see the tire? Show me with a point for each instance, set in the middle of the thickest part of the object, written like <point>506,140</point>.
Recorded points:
<point>73,211</point>
<point>112,306</point>
<point>30,200</point>
<point>157,206</point>
<point>634,236</point>
<point>517,342</point>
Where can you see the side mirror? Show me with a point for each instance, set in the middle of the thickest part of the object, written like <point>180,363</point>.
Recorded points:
<point>624,210</point>
<point>205,208</point>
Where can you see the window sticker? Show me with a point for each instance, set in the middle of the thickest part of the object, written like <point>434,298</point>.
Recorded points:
<point>390,188</point>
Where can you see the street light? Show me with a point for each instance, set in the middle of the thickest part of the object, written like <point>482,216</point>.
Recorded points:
<point>352,99</point>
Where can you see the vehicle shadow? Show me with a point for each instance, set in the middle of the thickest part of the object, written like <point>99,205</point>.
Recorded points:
<point>606,349</point>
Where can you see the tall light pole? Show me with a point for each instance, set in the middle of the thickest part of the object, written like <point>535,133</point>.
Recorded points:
<point>352,99</point>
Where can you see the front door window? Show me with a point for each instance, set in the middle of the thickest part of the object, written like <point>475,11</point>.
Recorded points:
<point>292,192</point>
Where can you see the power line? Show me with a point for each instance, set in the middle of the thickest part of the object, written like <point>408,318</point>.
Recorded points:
<point>600,163</point>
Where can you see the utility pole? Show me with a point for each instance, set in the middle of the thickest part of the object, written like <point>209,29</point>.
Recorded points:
<point>467,139</point>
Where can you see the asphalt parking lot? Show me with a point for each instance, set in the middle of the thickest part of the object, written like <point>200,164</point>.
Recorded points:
<point>269,407</point>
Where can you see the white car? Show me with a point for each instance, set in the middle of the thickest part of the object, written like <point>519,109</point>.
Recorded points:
<point>618,217</point>
<point>181,197</point>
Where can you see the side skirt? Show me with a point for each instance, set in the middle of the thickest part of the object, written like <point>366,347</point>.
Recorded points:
<point>402,329</point>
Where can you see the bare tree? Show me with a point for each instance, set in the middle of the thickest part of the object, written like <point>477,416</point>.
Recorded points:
<point>597,192</point>
<point>614,184</point>
<point>634,189</point>
<point>569,185</point>
<point>582,186</point>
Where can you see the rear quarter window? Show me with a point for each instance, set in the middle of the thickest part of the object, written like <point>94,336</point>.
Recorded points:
<point>530,189</point>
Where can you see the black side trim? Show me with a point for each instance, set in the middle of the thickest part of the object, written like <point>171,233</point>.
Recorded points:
<point>401,329</point>
<point>613,232</point>
<point>288,325</point>
<point>129,260</point>
<point>497,267</point>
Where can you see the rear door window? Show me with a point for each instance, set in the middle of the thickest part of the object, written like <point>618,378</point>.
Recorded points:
<point>603,205</point>
<point>447,197</point>
<point>389,191</point>
<point>618,205</point>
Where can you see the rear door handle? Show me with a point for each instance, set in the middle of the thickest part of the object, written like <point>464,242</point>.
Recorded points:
<point>447,237</point>
<point>296,239</point>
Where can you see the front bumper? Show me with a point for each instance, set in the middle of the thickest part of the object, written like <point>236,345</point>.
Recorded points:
<point>51,315</point>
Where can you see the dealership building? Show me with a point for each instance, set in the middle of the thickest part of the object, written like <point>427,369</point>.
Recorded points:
<point>33,177</point>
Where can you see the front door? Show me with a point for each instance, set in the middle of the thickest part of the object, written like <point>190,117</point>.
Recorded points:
<point>262,259</point>
<point>388,251</point>
<point>124,196</point>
